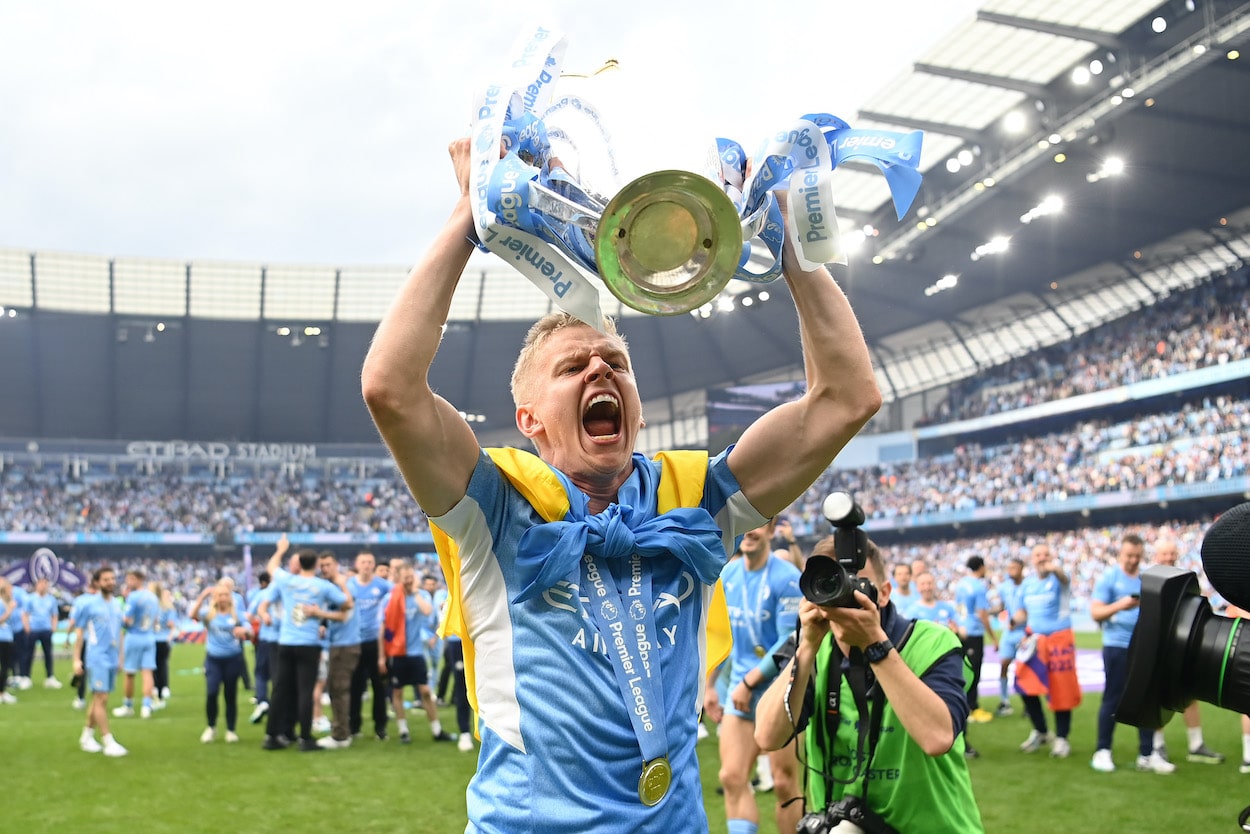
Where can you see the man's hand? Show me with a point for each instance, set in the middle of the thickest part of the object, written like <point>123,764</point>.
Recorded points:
<point>856,627</point>
<point>1128,603</point>
<point>711,705</point>
<point>741,697</point>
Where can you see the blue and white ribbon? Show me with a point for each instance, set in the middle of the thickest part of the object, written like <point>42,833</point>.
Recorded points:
<point>534,214</point>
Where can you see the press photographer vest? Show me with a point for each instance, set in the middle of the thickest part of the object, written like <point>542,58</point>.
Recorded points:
<point>913,791</point>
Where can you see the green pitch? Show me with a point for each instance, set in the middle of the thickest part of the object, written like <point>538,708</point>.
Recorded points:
<point>171,782</point>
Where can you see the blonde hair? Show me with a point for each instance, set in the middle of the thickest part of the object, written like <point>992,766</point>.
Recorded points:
<point>159,591</point>
<point>6,590</point>
<point>538,335</point>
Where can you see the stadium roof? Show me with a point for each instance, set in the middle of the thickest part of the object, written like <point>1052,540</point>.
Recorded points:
<point>1139,134</point>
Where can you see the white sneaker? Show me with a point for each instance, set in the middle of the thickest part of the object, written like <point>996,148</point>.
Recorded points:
<point>764,774</point>
<point>165,693</point>
<point>325,699</point>
<point>465,742</point>
<point>1102,761</point>
<point>259,712</point>
<point>232,738</point>
<point>1060,749</point>
<point>1035,742</point>
<point>1154,763</point>
<point>51,683</point>
<point>24,683</point>
<point>88,744</point>
<point>145,712</point>
<point>78,703</point>
<point>124,712</point>
<point>329,743</point>
<point>321,725</point>
<point>208,735</point>
<point>8,698</point>
<point>158,704</point>
<point>114,750</point>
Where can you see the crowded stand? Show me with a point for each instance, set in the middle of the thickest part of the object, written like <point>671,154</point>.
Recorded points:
<point>50,500</point>
<point>1202,442</point>
<point>1208,325</point>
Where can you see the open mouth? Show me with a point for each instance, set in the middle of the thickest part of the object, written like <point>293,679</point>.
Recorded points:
<point>602,417</point>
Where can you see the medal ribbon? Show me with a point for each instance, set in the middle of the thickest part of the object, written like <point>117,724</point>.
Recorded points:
<point>627,626</point>
<point>749,615</point>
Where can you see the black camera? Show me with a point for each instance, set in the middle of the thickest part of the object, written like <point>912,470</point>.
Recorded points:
<point>832,583</point>
<point>849,809</point>
<point>1181,651</point>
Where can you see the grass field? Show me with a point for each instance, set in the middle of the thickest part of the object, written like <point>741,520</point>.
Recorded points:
<point>172,783</point>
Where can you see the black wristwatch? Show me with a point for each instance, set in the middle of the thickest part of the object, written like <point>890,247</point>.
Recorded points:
<point>878,652</point>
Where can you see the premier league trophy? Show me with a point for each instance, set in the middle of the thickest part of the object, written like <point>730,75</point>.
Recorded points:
<point>667,242</point>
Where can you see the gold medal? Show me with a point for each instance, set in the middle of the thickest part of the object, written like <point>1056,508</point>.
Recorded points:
<point>759,651</point>
<point>657,775</point>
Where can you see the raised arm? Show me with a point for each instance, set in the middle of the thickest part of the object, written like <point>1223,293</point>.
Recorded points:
<point>786,450</point>
<point>432,444</point>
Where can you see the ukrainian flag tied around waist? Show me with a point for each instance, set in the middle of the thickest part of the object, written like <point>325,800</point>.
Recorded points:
<point>551,551</point>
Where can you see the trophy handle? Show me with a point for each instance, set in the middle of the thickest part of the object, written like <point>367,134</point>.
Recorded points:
<point>668,242</point>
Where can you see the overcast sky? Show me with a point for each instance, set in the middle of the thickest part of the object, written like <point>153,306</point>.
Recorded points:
<point>316,132</point>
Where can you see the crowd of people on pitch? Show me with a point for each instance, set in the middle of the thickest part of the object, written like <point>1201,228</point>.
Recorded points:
<point>1200,443</point>
<point>322,637</point>
<point>1199,328</point>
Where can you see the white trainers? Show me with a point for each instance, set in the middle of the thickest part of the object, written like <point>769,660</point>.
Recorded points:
<point>1102,761</point>
<point>23,683</point>
<point>1154,763</point>
<point>1060,749</point>
<point>208,735</point>
<point>88,744</point>
<point>124,712</point>
<point>325,699</point>
<point>1035,742</point>
<point>78,703</point>
<point>145,712</point>
<point>329,743</point>
<point>232,738</point>
<point>259,712</point>
<point>114,750</point>
<point>158,704</point>
<point>321,725</point>
<point>51,683</point>
<point>165,693</point>
<point>8,698</point>
<point>764,774</point>
<point>465,742</point>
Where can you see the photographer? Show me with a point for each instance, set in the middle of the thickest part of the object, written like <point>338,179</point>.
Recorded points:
<point>903,769</point>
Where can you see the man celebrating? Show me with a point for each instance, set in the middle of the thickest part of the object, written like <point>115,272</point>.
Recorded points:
<point>410,625</point>
<point>100,624</point>
<point>1010,604</point>
<point>306,599</point>
<point>552,554</point>
<point>41,618</point>
<point>1050,669</point>
<point>1114,606</point>
<point>142,611</point>
<point>882,700</point>
<point>762,590</point>
<point>368,591</point>
<point>972,606</point>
